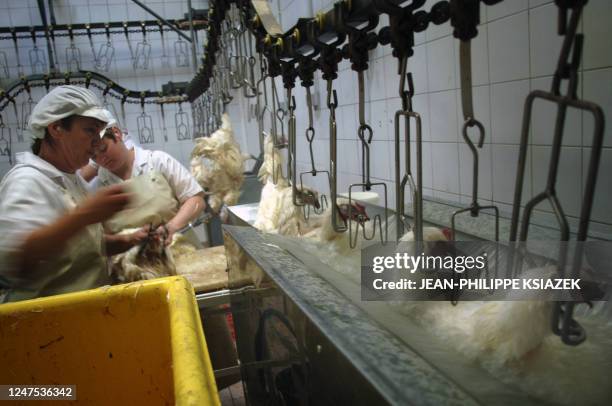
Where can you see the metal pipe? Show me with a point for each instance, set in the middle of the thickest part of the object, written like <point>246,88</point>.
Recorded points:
<point>163,20</point>
<point>192,34</point>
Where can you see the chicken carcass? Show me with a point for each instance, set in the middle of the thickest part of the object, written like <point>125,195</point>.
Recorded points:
<point>218,165</point>
<point>153,260</point>
<point>276,212</point>
<point>512,340</point>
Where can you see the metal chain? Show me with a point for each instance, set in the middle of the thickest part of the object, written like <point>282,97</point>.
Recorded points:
<point>60,82</point>
<point>79,34</point>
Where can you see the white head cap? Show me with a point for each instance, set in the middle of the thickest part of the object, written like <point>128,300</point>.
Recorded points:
<point>110,121</point>
<point>62,102</point>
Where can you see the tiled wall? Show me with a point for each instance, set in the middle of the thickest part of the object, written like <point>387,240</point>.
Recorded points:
<point>26,13</point>
<point>515,52</point>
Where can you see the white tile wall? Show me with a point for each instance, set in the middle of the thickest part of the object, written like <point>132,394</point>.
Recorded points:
<point>507,100</point>
<point>25,13</point>
<point>603,194</point>
<point>441,74</point>
<point>598,88</point>
<point>509,47</point>
<point>597,29</point>
<point>505,8</point>
<point>443,122</point>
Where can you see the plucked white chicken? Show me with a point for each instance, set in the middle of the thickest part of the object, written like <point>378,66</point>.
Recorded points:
<point>218,165</point>
<point>429,234</point>
<point>276,212</point>
<point>512,339</point>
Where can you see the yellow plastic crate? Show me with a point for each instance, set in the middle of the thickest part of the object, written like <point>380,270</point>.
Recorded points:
<point>139,343</point>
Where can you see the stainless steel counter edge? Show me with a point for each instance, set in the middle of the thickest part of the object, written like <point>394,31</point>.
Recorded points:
<point>398,373</point>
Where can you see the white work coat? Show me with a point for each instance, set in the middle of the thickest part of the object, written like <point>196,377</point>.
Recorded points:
<point>33,194</point>
<point>181,181</point>
<point>157,199</point>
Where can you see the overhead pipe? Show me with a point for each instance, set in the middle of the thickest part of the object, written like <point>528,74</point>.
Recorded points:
<point>163,20</point>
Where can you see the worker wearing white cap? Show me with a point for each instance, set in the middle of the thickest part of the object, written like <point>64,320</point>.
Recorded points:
<point>90,171</point>
<point>51,240</point>
<point>165,193</point>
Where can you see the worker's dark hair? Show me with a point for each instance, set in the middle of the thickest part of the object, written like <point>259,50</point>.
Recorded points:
<point>110,134</point>
<point>65,122</point>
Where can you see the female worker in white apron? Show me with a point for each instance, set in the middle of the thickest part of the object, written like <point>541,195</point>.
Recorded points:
<point>164,192</point>
<point>51,240</point>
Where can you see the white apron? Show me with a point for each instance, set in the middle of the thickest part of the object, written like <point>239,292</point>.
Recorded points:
<point>80,266</point>
<point>153,201</point>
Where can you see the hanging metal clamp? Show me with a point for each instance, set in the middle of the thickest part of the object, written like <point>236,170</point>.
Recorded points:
<point>47,81</point>
<point>88,77</point>
<point>25,84</point>
<point>33,35</point>
<point>126,93</point>
<point>108,87</point>
<point>91,45</point>
<point>563,323</point>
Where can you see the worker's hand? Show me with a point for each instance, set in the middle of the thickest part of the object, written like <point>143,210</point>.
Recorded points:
<point>137,237</point>
<point>165,232</point>
<point>118,243</point>
<point>103,205</point>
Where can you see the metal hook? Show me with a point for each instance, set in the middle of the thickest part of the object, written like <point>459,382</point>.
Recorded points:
<point>143,51</point>
<point>127,39</point>
<point>52,35</point>
<point>37,57</point>
<point>144,123</point>
<point>6,147</point>
<point>332,103</point>
<point>376,222</point>
<point>19,67</point>
<point>475,208</point>
<point>91,45</point>
<point>292,161</point>
<point>563,323</point>
<point>106,52</point>
<point>416,188</point>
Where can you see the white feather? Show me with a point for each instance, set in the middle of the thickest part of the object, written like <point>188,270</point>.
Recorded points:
<point>218,165</point>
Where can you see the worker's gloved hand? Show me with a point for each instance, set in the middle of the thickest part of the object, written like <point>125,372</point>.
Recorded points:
<point>103,204</point>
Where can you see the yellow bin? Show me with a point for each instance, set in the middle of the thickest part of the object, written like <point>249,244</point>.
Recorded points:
<point>135,344</point>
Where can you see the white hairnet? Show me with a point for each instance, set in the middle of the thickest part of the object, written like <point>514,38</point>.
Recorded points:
<point>110,121</point>
<point>62,102</point>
